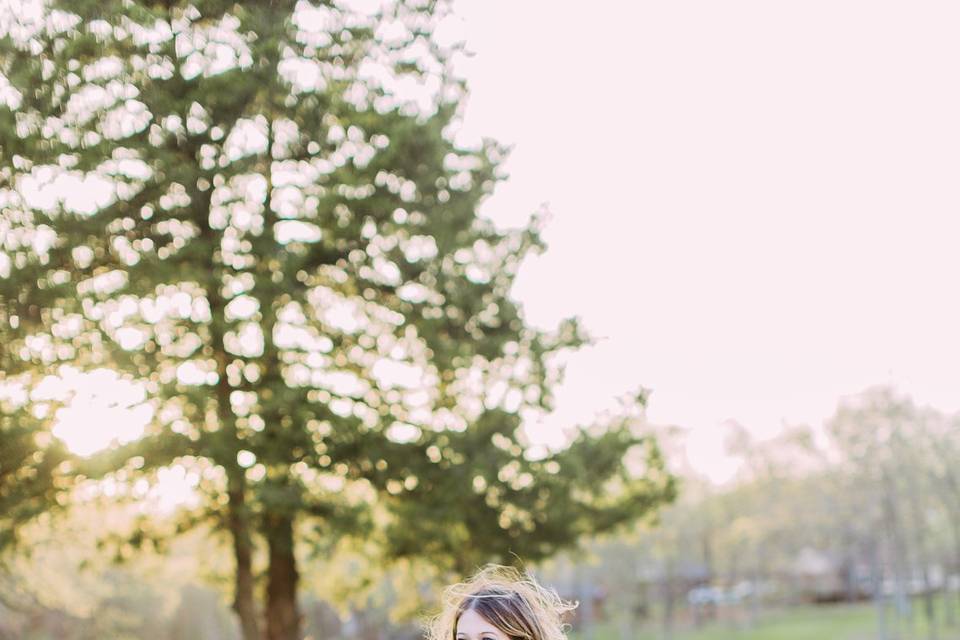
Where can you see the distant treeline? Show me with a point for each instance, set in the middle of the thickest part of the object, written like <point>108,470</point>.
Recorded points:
<point>866,508</point>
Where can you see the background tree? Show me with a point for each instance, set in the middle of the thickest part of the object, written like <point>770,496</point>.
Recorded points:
<point>887,444</point>
<point>257,212</point>
<point>33,464</point>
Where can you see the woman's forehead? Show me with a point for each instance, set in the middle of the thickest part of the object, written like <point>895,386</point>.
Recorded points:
<point>471,622</point>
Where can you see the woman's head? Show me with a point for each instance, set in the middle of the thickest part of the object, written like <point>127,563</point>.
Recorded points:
<point>498,603</point>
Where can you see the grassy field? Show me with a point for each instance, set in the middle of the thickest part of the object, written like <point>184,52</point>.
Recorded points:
<point>837,622</point>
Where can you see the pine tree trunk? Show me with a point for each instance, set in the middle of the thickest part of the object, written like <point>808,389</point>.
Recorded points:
<point>283,615</point>
<point>244,604</point>
<point>238,518</point>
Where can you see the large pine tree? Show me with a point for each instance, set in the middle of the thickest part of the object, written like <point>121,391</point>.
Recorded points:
<point>257,211</point>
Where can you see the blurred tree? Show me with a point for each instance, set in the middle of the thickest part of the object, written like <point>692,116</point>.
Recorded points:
<point>33,464</point>
<point>30,472</point>
<point>885,440</point>
<point>257,211</point>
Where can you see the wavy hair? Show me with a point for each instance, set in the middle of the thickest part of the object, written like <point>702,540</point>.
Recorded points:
<point>511,601</point>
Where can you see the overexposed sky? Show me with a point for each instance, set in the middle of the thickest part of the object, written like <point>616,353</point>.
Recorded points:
<point>757,204</point>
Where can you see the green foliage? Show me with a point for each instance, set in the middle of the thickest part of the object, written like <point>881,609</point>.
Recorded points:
<point>496,504</point>
<point>33,464</point>
<point>30,481</point>
<point>283,249</point>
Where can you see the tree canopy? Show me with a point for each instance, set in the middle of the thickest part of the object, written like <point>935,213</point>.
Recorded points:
<point>258,212</point>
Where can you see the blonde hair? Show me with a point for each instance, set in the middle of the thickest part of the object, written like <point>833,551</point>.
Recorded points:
<point>511,601</point>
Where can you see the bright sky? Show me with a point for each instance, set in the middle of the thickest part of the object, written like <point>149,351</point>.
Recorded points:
<point>755,203</point>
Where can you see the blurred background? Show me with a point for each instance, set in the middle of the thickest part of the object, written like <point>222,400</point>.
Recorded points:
<point>308,309</point>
